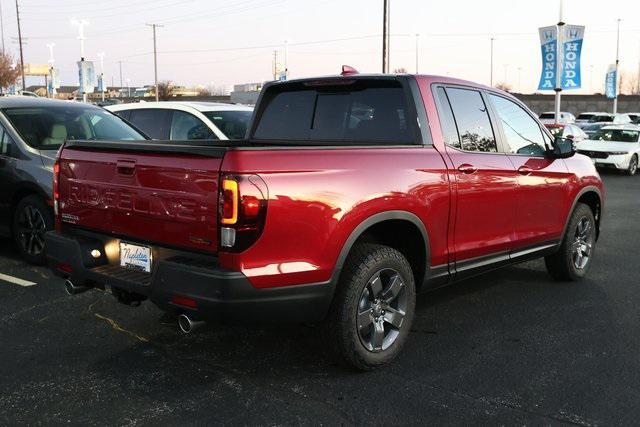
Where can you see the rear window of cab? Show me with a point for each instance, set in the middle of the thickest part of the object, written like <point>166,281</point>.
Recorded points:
<point>360,111</point>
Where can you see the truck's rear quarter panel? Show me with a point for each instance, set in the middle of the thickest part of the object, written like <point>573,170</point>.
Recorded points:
<point>317,197</point>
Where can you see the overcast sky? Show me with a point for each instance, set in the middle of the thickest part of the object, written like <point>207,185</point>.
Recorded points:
<point>225,42</point>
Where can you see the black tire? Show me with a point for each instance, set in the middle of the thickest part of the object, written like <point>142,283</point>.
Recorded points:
<point>31,219</point>
<point>571,262</point>
<point>633,166</point>
<point>355,291</point>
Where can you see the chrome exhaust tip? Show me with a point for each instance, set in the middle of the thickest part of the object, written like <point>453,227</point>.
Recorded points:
<point>73,289</point>
<point>187,324</point>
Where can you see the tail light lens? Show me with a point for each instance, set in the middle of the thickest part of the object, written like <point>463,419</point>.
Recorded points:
<point>242,211</point>
<point>56,188</point>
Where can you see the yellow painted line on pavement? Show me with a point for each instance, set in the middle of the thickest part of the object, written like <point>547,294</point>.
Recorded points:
<point>16,280</point>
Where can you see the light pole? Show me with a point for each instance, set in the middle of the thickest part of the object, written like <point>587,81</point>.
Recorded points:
<point>559,65</point>
<point>51,62</point>
<point>286,54</point>
<point>101,56</point>
<point>81,24</point>
<point>615,100</point>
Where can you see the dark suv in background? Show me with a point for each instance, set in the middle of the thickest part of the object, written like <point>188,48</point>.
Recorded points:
<point>31,131</point>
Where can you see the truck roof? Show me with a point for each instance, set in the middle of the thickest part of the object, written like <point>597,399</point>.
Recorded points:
<point>429,78</point>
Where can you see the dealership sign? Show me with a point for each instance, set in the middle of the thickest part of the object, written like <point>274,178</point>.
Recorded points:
<point>611,82</point>
<point>569,55</point>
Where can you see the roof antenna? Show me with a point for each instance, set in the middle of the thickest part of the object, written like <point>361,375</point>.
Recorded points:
<point>348,71</point>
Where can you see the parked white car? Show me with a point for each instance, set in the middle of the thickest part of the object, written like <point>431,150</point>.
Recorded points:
<point>550,117</point>
<point>584,118</point>
<point>614,147</point>
<point>613,119</point>
<point>175,120</point>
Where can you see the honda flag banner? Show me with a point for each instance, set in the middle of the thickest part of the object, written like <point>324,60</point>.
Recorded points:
<point>572,48</point>
<point>570,52</point>
<point>549,44</point>
<point>611,82</point>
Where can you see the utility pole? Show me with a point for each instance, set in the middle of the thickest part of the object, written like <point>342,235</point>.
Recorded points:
<point>615,100</point>
<point>417,50</point>
<point>275,65</point>
<point>385,37</point>
<point>559,64</point>
<point>20,43</point>
<point>155,58</point>
<point>2,26</point>
<point>491,61</point>
<point>120,64</point>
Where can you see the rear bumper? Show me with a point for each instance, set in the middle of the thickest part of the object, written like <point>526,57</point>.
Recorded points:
<point>218,293</point>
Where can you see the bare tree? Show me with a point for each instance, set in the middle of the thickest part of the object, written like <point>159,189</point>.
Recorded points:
<point>205,91</point>
<point>504,86</point>
<point>165,90</point>
<point>400,70</point>
<point>8,72</point>
<point>629,83</point>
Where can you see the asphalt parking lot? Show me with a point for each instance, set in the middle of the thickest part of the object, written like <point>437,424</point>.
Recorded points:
<point>511,347</point>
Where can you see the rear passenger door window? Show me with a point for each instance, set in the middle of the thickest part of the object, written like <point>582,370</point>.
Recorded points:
<point>7,146</point>
<point>153,122</point>
<point>472,120</point>
<point>522,134</point>
<point>186,126</point>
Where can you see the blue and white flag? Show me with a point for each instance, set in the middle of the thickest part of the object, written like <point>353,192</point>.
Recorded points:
<point>572,48</point>
<point>548,44</point>
<point>86,77</point>
<point>611,82</point>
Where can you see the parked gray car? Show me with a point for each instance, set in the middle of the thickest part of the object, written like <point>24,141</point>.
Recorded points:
<point>31,131</point>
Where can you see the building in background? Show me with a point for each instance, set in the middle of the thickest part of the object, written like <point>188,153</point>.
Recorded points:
<point>246,93</point>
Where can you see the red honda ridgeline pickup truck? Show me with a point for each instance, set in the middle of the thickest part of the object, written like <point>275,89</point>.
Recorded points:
<point>349,195</point>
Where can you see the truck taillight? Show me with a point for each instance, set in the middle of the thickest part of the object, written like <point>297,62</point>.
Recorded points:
<point>56,186</point>
<point>242,211</point>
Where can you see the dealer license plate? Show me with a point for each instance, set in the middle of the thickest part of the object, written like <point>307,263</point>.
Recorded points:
<point>135,257</point>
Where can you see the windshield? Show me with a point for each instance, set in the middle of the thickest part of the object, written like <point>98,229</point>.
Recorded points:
<point>232,123</point>
<point>547,116</point>
<point>48,127</point>
<point>617,135</point>
<point>600,118</point>
<point>585,116</point>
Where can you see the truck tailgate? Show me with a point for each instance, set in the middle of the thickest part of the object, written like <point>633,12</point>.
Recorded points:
<point>160,196</point>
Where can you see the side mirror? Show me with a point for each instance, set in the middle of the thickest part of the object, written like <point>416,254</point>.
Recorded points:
<point>563,148</point>
<point>571,137</point>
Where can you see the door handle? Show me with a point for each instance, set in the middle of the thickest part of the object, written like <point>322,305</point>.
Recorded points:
<point>467,168</point>
<point>126,167</point>
<point>525,170</point>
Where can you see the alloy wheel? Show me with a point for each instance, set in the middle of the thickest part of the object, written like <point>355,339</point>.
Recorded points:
<point>582,243</point>
<point>31,229</point>
<point>381,310</point>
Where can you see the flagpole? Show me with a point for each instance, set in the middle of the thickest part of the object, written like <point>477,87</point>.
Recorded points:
<point>559,64</point>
